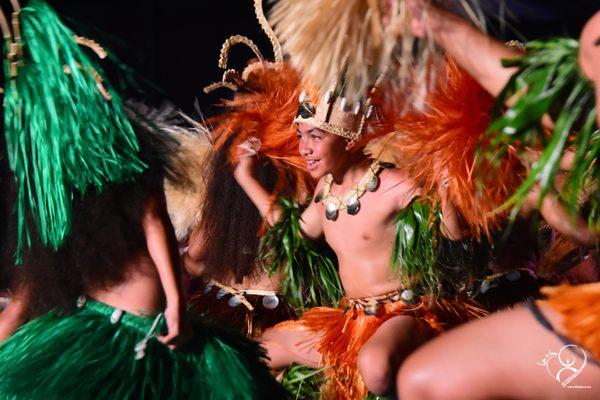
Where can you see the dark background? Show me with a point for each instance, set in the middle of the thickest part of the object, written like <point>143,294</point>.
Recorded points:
<point>176,43</point>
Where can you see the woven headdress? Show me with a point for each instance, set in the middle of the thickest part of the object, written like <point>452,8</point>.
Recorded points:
<point>367,38</point>
<point>334,113</point>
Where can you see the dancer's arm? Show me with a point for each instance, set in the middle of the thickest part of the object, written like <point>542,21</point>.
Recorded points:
<point>192,258</point>
<point>161,244</point>
<point>310,223</point>
<point>262,199</point>
<point>557,216</point>
<point>479,54</point>
<point>13,316</point>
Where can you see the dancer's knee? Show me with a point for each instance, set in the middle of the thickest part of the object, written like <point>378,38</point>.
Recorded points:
<point>424,379</point>
<point>376,368</point>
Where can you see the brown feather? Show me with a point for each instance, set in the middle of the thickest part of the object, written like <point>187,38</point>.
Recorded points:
<point>184,202</point>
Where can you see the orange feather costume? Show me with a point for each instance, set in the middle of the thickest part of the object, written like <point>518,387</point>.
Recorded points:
<point>580,309</point>
<point>439,148</point>
<point>343,331</point>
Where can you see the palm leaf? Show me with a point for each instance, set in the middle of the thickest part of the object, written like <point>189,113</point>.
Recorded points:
<point>548,82</point>
<point>311,276</point>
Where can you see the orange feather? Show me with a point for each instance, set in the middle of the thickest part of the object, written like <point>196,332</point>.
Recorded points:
<point>580,308</point>
<point>265,108</point>
<point>440,144</point>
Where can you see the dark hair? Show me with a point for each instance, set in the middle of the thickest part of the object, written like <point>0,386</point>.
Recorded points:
<point>230,223</point>
<point>106,234</point>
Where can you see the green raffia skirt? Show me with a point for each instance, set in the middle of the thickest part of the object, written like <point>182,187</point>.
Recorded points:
<point>100,352</point>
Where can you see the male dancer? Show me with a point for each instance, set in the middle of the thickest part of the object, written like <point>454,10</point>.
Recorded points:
<point>379,323</point>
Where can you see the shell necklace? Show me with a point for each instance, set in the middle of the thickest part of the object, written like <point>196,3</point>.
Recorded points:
<point>350,201</point>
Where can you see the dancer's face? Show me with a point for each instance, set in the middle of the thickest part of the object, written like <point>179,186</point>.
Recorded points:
<point>323,152</point>
<point>589,55</point>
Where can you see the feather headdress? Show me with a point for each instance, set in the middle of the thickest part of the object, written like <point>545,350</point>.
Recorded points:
<point>266,111</point>
<point>364,37</point>
<point>439,147</point>
<point>264,106</point>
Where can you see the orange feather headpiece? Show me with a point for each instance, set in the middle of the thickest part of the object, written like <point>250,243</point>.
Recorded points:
<point>439,147</point>
<point>264,106</point>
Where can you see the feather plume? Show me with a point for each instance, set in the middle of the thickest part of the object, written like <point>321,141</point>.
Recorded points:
<point>184,202</point>
<point>367,38</point>
<point>265,108</point>
<point>439,147</point>
<point>580,308</point>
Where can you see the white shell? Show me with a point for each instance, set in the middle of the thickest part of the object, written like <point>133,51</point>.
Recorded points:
<point>270,302</point>
<point>513,276</point>
<point>327,97</point>
<point>357,108</point>
<point>407,296</point>
<point>369,112</point>
<point>116,316</point>
<point>208,287</point>
<point>221,293</point>
<point>234,301</point>
<point>81,300</point>
<point>302,97</point>
<point>371,309</point>
<point>485,286</point>
<point>331,207</point>
<point>343,104</point>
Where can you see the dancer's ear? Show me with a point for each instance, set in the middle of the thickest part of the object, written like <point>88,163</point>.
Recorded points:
<point>350,144</point>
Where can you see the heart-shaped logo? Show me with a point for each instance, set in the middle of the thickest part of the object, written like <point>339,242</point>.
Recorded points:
<point>566,364</point>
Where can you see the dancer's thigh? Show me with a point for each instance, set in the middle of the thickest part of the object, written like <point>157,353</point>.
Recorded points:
<point>286,346</point>
<point>496,357</point>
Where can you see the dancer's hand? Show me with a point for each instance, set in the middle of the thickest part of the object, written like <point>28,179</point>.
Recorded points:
<point>245,156</point>
<point>424,18</point>
<point>178,326</point>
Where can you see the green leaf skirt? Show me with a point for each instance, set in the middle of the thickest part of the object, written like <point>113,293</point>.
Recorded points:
<point>99,352</point>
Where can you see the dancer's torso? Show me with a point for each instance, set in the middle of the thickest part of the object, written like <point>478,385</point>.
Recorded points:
<point>139,293</point>
<point>363,242</point>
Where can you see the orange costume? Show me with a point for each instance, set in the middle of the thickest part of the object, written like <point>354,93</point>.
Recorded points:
<point>343,331</point>
<point>580,309</point>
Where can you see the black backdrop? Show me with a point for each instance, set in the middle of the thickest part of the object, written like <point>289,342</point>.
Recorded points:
<point>176,43</point>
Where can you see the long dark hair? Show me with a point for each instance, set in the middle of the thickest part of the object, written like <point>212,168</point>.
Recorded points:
<point>230,223</point>
<point>106,234</point>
